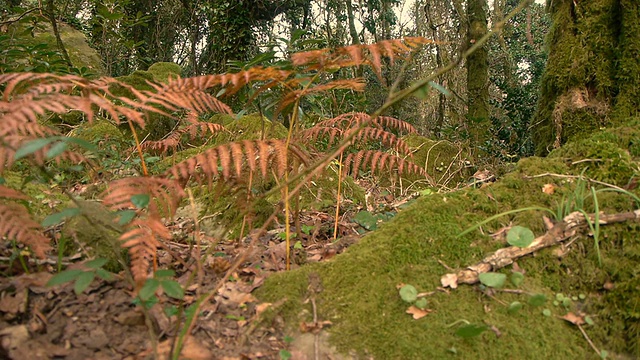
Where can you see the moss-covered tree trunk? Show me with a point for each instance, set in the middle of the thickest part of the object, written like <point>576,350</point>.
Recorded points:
<point>592,78</point>
<point>477,74</point>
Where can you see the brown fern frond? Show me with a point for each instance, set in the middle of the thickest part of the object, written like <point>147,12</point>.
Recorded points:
<point>355,55</point>
<point>9,193</point>
<point>355,119</point>
<point>172,141</point>
<point>143,240</point>
<point>318,131</point>
<point>165,194</point>
<point>232,82</point>
<point>344,84</point>
<point>387,138</point>
<point>393,123</point>
<point>242,155</point>
<point>377,160</point>
<point>16,223</point>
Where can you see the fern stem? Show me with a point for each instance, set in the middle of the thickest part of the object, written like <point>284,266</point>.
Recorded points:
<point>145,172</point>
<point>335,226</point>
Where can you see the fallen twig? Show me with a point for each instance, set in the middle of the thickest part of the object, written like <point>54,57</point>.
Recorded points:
<point>557,234</point>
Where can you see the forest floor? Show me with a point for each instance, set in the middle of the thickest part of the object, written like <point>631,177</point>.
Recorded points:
<point>106,322</point>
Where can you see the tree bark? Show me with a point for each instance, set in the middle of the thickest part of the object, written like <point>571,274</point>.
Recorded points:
<point>477,76</point>
<point>592,75</point>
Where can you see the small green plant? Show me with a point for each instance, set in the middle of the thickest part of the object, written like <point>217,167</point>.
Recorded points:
<point>410,294</point>
<point>161,279</point>
<point>82,277</point>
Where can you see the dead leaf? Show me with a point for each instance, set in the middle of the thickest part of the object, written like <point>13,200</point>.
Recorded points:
<point>260,308</point>
<point>549,189</point>
<point>231,293</point>
<point>548,223</point>
<point>573,318</point>
<point>449,280</point>
<point>418,313</point>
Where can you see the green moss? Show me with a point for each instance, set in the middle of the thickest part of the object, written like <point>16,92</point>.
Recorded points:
<point>249,127</point>
<point>80,53</point>
<point>439,158</point>
<point>368,316</point>
<point>100,131</point>
<point>604,161</point>
<point>322,192</point>
<point>42,197</point>
<point>97,232</point>
<point>162,71</point>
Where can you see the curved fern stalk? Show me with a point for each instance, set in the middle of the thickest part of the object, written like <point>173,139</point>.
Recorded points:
<point>16,222</point>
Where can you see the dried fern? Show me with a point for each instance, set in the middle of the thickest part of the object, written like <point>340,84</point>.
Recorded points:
<point>378,161</point>
<point>16,222</point>
<point>219,162</point>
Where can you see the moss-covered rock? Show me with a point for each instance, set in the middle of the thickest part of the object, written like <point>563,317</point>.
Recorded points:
<point>101,131</point>
<point>360,294</point>
<point>163,71</point>
<point>97,232</point>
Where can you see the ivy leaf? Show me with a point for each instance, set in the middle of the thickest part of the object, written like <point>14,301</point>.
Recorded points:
<point>104,274</point>
<point>96,263</point>
<point>65,276</point>
<point>520,236</point>
<point>471,330</point>
<point>408,293</point>
<point>126,216</point>
<point>82,143</point>
<point>164,273</point>
<point>366,220</point>
<point>83,281</point>
<point>491,279</point>
<point>140,200</point>
<point>148,289</point>
<point>172,288</point>
<point>56,218</point>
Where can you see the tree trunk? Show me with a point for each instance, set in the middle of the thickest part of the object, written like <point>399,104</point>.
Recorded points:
<point>355,38</point>
<point>592,75</point>
<point>477,75</point>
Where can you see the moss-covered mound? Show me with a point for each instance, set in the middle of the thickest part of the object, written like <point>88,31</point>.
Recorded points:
<point>157,125</point>
<point>360,295</point>
<point>441,159</point>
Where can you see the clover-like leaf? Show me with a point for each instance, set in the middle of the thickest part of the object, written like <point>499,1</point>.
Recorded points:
<point>537,300</point>
<point>517,278</point>
<point>520,236</point>
<point>491,279</point>
<point>471,330</point>
<point>408,293</point>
